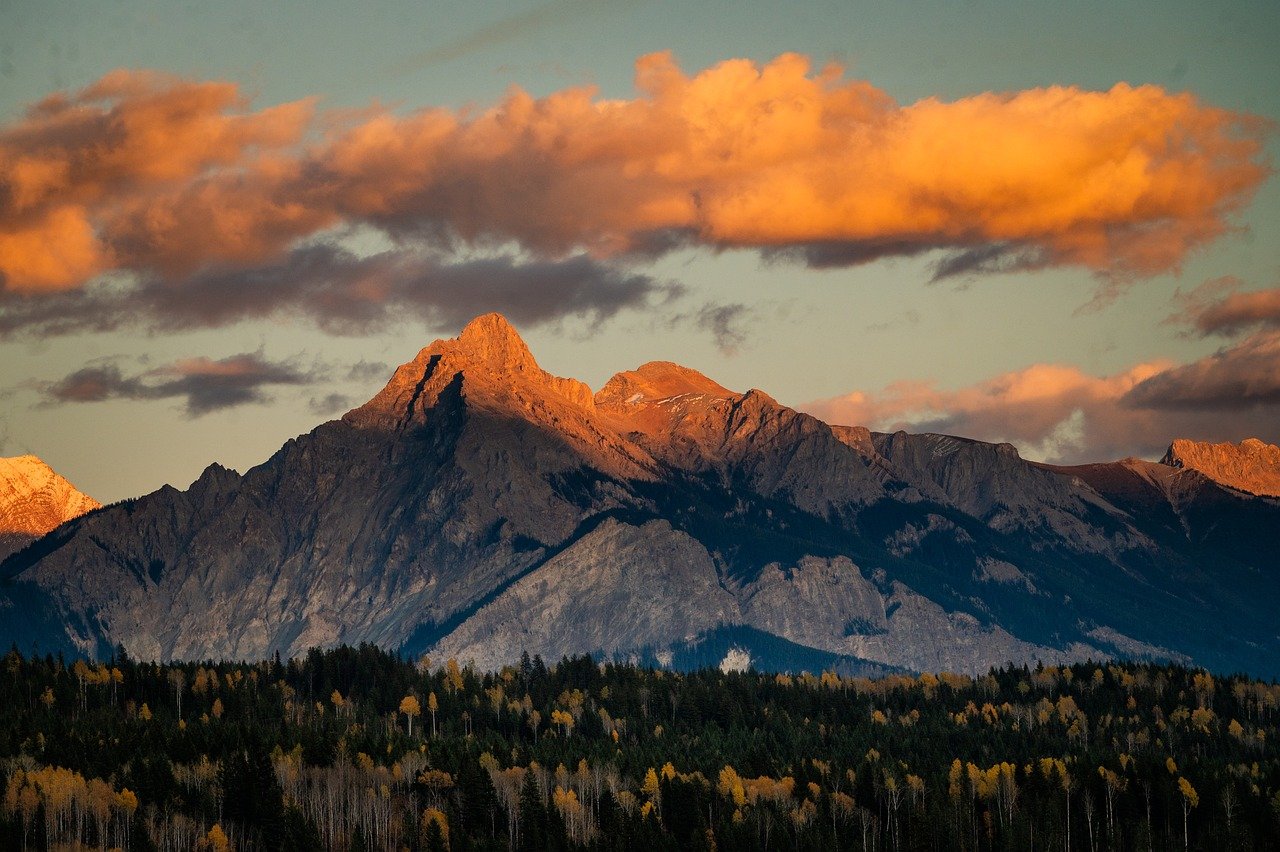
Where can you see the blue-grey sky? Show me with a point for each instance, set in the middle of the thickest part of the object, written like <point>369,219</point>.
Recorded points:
<point>139,356</point>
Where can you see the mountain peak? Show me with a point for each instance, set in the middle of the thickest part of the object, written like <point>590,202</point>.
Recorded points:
<point>491,354</point>
<point>34,499</point>
<point>492,339</point>
<point>1252,465</point>
<point>655,381</point>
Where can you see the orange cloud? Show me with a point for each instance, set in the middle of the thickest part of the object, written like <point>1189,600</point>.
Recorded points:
<point>1059,413</point>
<point>126,140</point>
<point>58,251</point>
<point>171,175</point>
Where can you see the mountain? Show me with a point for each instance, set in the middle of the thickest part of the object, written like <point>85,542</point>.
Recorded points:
<point>479,506</point>
<point>34,500</point>
<point>1251,465</point>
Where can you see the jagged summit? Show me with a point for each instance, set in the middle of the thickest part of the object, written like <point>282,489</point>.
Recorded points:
<point>490,338</point>
<point>489,357</point>
<point>1252,465</point>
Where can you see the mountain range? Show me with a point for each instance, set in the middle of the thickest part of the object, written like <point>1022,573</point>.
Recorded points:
<point>478,507</point>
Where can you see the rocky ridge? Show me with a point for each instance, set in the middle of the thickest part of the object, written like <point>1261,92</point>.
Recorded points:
<point>1251,465</point>
<point>479,506</point>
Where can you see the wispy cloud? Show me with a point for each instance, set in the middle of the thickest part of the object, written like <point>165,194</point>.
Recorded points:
<point>328,404</point>
<point>205,385</point>
<point>507,30</point>
<point>1217,308</point>
<point>726,323</point>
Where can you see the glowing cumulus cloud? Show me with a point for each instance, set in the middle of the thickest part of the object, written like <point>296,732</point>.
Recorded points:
<point>164,177</point>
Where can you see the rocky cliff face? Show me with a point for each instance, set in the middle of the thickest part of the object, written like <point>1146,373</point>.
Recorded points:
<point>34,500</point>
<point>478,507</point>
<point>1251,465</point>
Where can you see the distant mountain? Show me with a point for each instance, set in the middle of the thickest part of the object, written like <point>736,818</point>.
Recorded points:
<point>33,500</point>
<point>478,507</point>
<point>1252,465</point>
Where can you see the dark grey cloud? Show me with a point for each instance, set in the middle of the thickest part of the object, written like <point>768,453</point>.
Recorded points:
<point>367,371</point>
<point>346,294</point>
<point>1242,376</point>
<point>838,254</point>
<point>995,258</point>
<point>726,324</point>
<point>206,385</point>
<point>329,404</point>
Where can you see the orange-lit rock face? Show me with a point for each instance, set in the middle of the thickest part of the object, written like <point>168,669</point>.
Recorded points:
<point>34,500</point>
<point>1251,465</point>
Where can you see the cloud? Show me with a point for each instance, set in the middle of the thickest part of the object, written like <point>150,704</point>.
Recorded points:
<point>172,180</point>
<point>329,404</point>
<point>70,164</point>
<point>725,322</point>
<point>368,371</point>
<point>345,293</point>
<point>1240,377</point>
<point>1216,308</point>
<point>205,384</point>
<point>503,31</point>
<point>1059,413</point>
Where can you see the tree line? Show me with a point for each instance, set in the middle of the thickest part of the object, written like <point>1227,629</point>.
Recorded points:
<point>358,749</point>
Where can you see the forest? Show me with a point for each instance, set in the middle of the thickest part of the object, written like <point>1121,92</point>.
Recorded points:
<point>361,749</point>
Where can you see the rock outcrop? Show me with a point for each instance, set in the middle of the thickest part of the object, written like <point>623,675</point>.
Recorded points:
<point>479,507</point>
<point>1251,465</point>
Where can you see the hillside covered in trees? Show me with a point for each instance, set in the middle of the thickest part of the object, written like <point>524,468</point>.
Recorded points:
<point>358,749</point>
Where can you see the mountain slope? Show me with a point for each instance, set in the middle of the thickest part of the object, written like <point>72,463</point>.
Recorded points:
<point>34,500</point>
<point>478,506</point>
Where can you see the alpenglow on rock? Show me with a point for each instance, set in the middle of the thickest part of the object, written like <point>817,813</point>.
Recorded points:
<point>1251,465</point>
<point>479,507</point>
<point>34,499</point>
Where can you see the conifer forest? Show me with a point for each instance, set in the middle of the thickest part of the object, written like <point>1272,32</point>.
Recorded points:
<point>360,749</point>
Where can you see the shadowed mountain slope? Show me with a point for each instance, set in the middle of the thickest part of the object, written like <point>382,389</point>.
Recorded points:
<point>478,507</point>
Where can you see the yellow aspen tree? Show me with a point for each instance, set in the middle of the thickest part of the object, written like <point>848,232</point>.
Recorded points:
<point>1190,799</point>
<point>453,675</point>
<point>437,817</point>
<point>216,840</point>
<point>410,707</point>
<point>650,786</point>
<point>433,704</point>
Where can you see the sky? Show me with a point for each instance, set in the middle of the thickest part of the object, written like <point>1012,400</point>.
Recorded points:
<point>1045,223</point>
